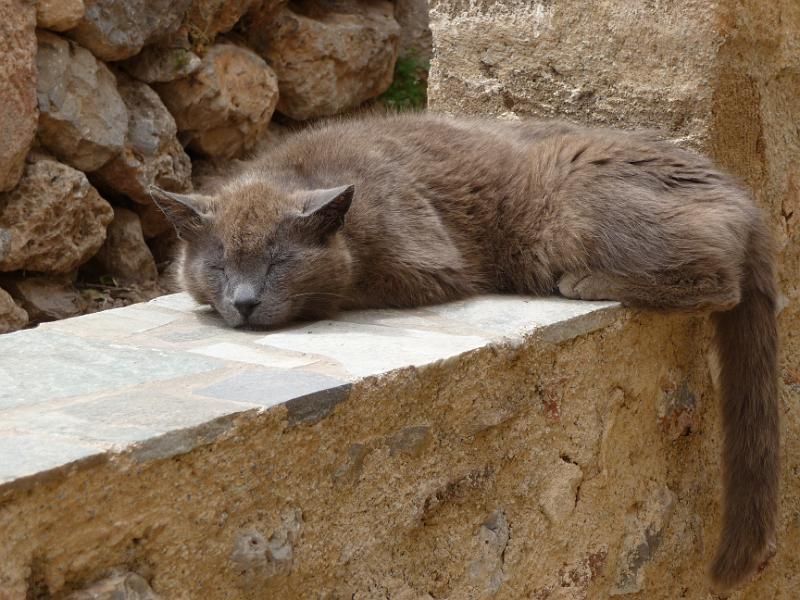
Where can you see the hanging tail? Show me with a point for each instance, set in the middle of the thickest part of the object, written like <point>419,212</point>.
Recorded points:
<point>747,342</point>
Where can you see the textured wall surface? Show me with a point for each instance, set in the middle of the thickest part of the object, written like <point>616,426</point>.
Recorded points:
<point>574,465</point>
<point>721,76</point>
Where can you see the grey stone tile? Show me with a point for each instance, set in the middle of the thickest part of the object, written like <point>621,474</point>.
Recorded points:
<point>315,407</point>
<point>255,355</point>
<point>580,325</point>
<point>181,302</point>
<point>58,423</point>
<point>181,441</point>
<point>121,419</point>
<point>24,454</point>
<point>154,409</point>
<point>510,317</point>
<point>266,387</point>
<point>420,319</point>
<point>364,350</point>
<point>188,334</point>
<point>114,323</point>
<point>40,365</point>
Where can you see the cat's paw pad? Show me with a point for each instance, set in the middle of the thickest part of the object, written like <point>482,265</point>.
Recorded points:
<point>585,286</point>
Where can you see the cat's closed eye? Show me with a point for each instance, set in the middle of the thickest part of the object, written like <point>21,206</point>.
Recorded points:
<point>276,260</point>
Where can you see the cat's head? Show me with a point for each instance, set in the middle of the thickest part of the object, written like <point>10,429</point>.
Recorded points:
<point>262,256</point>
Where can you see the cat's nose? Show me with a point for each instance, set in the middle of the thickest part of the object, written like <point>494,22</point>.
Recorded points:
<point>245,300</point>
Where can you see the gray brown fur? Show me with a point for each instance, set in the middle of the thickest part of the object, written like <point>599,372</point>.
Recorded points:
<point>447,208</point>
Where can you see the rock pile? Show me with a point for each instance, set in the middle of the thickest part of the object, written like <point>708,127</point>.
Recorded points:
<point>103,98</point>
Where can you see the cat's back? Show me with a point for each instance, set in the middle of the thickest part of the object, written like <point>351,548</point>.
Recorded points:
<point>395,142</point>
<point>445,151</point>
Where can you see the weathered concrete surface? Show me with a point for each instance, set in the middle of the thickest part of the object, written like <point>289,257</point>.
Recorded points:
<point>724,77</point>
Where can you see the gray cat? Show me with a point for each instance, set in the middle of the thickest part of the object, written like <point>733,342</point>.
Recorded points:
<point>412,210</point>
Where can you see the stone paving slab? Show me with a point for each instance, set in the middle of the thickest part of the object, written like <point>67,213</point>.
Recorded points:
<point>162,376</point>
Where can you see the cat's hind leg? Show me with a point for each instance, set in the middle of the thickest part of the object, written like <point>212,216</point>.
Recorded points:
<point>585,285</point>
<point>680,290</point>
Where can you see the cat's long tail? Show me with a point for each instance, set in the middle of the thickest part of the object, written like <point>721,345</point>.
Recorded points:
<point>747,342</point>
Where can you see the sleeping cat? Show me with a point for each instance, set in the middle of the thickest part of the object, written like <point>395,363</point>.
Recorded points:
<point>411,210</point>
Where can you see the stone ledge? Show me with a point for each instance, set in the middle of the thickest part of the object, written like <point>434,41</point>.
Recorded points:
<point>533,448</point>
<point>160,378</point>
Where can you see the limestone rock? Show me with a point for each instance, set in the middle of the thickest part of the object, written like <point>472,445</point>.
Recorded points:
<point>59,15</point>
<point>46,298</point>
<point>225,106</point>
<point>159,63</point>
<point>558,499</point>
<point>678,412</point>
<point>208,18</point>
<point>152,220</point>
<point>328,62</point>
<point>261,16</point>
<point>17,88</point>
<point>124,586</point>
<point>125,255</point>
<point>643,535</point>
<point>257,557</point>
<point>487,569</point>
<point>415,34</point>
<point>411,441</point>
<point>53,221</point>
<point>562,60</point>
<point>12,317</point>
<point>152,153</point>
<point>118,29</point>
<point>83,118</point>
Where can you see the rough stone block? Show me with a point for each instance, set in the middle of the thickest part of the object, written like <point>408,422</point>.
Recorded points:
<point>328,58</point>
<point>121,586</point>
<point>125,255</point>
<point>151,154</point>
<point>223,108</point>
<point>53,221</point>
<point>12,316</point>
<point>535,465</point>
<point>19,113</point>
<point>46,298</point>
<point>83,118</point>
<point>59,15</point>
<point>118,29</point>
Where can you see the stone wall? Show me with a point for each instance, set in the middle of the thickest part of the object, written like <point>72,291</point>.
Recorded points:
<point>100,99</point>
<point>491,448</point>
<point>722,76</point>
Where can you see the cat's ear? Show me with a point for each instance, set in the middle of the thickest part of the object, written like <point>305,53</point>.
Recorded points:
<point>325,209</point>
<point>188,213</point>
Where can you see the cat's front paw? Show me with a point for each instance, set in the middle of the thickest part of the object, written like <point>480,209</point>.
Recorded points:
<point>586,286</point>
